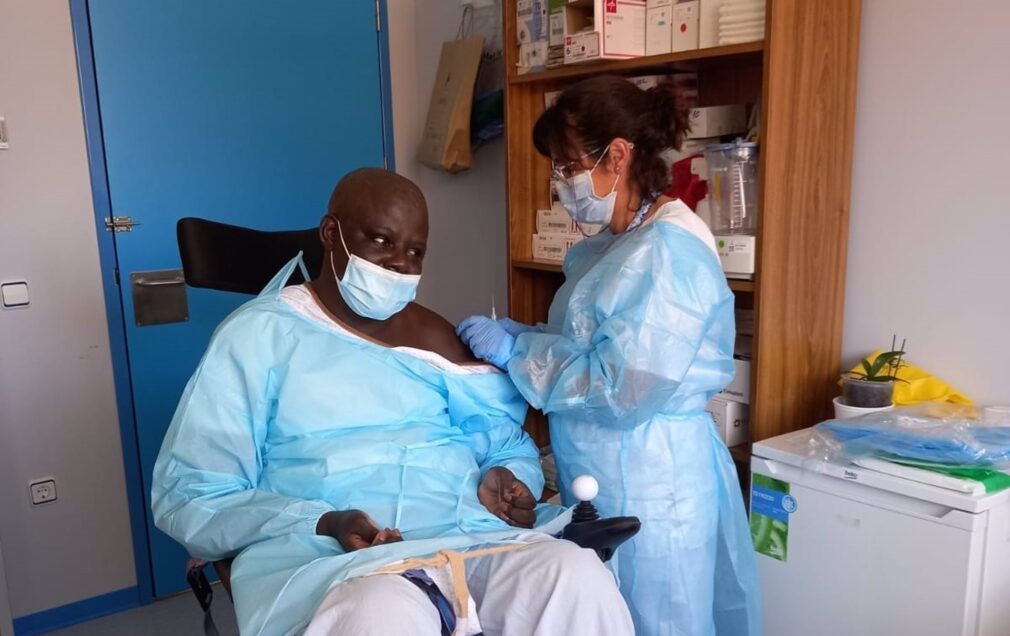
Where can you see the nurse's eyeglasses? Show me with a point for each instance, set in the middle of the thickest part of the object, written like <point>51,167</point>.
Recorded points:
<point>566,170</point>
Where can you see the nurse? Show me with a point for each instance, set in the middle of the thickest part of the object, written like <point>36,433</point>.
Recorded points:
<point>638,339</point>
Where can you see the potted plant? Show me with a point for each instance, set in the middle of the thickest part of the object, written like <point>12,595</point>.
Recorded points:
<point>871,387</point>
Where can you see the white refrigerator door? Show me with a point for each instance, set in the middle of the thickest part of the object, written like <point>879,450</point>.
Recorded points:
<point>857,567</point>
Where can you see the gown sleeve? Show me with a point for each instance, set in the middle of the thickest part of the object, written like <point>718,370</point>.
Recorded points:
<point>631,334</point>
<point>204,492</point>
<point>490,412</point>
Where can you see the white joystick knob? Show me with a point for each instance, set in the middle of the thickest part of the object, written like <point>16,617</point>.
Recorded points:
<point>585,487</point>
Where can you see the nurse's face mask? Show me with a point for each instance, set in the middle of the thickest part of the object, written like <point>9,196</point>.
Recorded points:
<point>370,290</point>
<point>577,194</point>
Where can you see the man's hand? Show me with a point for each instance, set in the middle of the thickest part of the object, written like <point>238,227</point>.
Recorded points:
<point>507,498</point>
<point>354,530</point>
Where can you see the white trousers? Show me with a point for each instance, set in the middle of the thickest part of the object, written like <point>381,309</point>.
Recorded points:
<point>549,588</point>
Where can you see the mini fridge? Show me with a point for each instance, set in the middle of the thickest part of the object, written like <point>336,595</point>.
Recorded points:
<point>848,551</point>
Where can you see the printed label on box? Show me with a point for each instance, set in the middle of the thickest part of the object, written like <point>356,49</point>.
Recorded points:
<point>770,507</point>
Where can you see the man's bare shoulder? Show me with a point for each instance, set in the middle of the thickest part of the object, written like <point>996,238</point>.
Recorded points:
<point>435,333</point>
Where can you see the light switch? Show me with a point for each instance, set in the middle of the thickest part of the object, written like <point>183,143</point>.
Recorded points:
<point>14,294</point>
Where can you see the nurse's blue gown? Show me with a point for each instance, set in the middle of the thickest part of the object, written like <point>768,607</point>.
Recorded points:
<point>638,340</point>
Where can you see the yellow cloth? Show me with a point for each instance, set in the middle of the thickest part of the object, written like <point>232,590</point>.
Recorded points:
<point>920,386</point>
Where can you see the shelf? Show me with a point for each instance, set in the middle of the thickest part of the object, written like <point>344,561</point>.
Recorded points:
<point>741,285</point>
<point>555,267</point>
<point>644,62</point>
<point>543,266</point>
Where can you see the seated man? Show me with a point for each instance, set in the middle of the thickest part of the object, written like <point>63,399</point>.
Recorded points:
<point>336,429</point>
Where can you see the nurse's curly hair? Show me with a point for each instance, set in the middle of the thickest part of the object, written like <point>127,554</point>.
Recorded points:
<point>588,115</point>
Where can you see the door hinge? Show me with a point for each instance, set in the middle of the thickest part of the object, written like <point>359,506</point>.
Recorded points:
<point>378,16</point>
<point>115,272</point>
<point>120,224</point>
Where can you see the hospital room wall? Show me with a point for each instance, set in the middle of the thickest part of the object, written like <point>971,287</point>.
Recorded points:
<point>58,413</point>
<point>466,261</point>
<point>929,226</point>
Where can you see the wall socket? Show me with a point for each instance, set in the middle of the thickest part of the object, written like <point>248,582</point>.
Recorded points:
<point>43,491</point>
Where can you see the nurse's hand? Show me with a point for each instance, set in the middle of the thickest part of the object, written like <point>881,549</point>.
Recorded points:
<point>507,498</point>
<point>487,339</point>
<point>354,530</point>
<point>514,328</point>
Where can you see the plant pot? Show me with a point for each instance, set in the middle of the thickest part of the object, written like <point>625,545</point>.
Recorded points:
<point>845,412</point>
<point>867,395</point>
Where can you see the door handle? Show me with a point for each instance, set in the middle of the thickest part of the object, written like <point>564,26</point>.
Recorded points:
<point>141,282</point>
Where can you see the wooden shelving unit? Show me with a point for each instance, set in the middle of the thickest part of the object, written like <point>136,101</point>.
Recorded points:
<point>804,77</point>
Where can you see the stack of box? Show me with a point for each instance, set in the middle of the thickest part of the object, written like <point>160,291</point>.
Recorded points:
<point>730,409</point>
<point>531,35</point>
<point>600,29</point>
<point>671,26</point>
<point>557,233</point>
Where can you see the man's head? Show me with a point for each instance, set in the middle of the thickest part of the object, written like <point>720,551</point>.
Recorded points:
<point>383,219</point>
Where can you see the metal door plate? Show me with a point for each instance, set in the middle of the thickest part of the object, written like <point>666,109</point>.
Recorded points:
<point>159,297</point>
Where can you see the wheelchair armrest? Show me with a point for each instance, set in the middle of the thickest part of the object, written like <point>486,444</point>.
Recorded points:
<point>602,535</point>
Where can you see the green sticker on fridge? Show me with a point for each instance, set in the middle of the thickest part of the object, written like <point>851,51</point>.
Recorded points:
<point>770,507</point>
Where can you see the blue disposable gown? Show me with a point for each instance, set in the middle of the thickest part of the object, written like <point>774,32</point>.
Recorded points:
<point>638,340</point>
<point>287,418</point>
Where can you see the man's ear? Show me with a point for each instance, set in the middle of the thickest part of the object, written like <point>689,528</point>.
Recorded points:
<point>328,232</point>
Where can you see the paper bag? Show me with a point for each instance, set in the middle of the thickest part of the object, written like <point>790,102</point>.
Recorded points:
<point>446,142</point>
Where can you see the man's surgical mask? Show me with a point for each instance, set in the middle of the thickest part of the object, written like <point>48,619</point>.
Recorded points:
<point>370,290</point>
<point>579,198</point>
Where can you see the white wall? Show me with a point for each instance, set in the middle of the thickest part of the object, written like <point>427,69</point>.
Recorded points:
<point>466,261</point>
<point>930,211</point>
<point>57,404</point>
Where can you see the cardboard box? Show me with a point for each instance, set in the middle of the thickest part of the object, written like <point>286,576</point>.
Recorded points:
<point>684,27</point>
<point>739,389</point>
<point>532,57</point>
<point>553,247</point>
<point>716,121</point>
<point>732,421</point>
<point>558,221</point>
<point>736,252</point>
<point>567,18</point>
<point>658,26</point>
<point>531,21</point>
<point>550,97</point>
<point>618,31</point>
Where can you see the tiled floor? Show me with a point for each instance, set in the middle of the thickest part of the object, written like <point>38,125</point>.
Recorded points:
<point>174,616</point>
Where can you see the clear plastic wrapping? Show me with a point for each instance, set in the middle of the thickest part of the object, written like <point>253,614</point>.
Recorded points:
<point>946,435</point>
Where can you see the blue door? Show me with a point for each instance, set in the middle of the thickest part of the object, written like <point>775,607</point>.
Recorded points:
<point>240,111</point>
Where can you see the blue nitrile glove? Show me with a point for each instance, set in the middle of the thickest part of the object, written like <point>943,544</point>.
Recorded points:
<point>515,328</point>
<point>487,339</point>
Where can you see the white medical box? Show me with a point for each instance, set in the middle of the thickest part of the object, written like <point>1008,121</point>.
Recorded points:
<point>658,26</point>
<point>531,21</point>
<point>716,121</point>
<point>736,251</point>
<point>553,247</point>
<point>558,221</point>
<point>739,389</point>
<point>684,36</point>
<point>731,420</point>
<point>618,30</point>
<point>566,18</point>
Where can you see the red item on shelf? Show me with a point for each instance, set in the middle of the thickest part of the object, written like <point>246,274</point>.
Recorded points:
<point>689,188</point>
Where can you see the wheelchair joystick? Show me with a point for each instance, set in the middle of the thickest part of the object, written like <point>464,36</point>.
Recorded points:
<point>588,530</point>
<point>585,488</point>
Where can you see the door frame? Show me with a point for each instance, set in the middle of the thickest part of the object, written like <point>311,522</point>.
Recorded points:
<point>137,499</point>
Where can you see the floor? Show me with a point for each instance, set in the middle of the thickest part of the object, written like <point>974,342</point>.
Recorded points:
<point>178,615</point>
